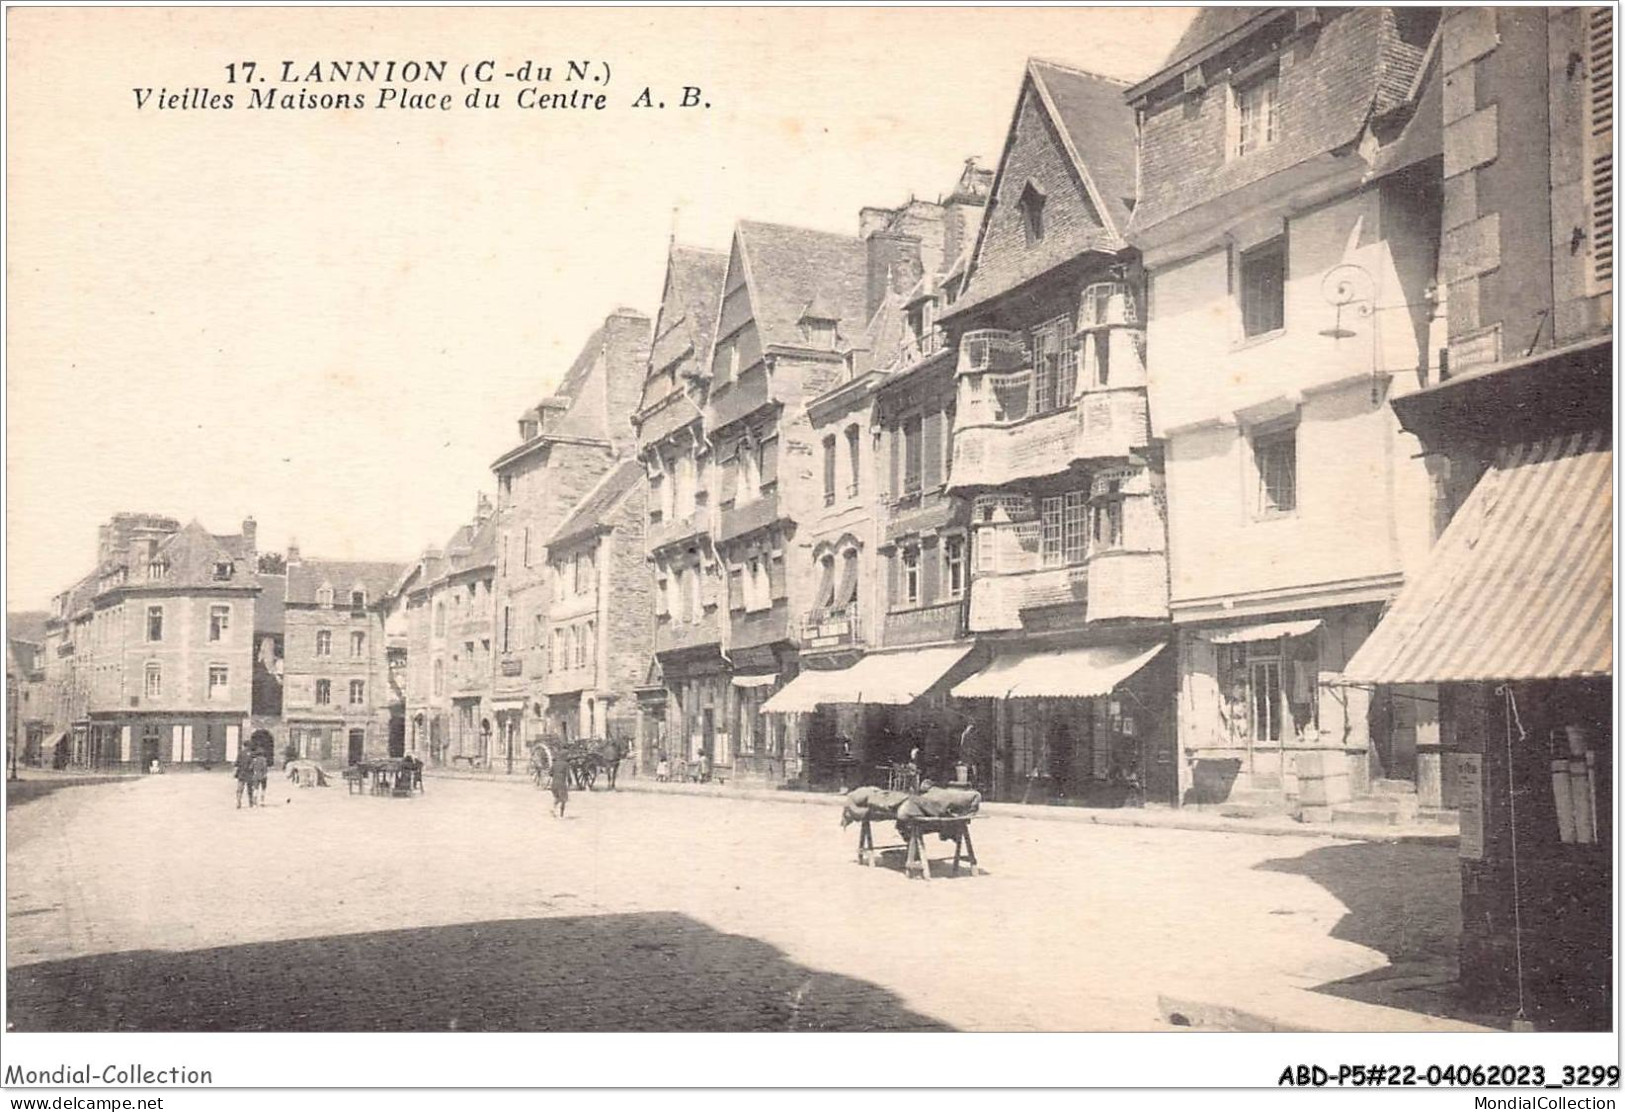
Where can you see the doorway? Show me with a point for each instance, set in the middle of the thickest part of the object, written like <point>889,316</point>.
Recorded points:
<point>358,746</point>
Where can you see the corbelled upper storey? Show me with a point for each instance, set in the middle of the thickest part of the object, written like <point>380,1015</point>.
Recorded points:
<point>1251,93</point>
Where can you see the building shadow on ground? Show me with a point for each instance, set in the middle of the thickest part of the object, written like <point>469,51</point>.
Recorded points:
<point>28,789</point>
<point>634,972</point>
<point>1404,901</point>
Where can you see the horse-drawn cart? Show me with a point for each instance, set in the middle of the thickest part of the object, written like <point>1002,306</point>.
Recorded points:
<point>941,811</point>
<point>587,758</point>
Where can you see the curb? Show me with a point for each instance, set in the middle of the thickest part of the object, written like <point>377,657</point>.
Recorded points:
<point>1151,819</point>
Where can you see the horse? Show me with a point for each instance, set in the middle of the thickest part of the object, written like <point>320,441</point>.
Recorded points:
<point>590,756</point>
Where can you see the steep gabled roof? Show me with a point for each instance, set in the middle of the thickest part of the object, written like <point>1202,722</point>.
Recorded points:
<point>687,320</point>
<point>598,505</point>
<point>375,577</point>
<point>27,625</point>
<point>1098,126</point>
<point>1209,26</point>
<point>788,269</point>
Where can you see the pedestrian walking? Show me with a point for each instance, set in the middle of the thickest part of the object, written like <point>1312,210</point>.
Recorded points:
<point>561,785</point>
<point>242,771</point>
<point>663,768</point>
<point>258,770</point>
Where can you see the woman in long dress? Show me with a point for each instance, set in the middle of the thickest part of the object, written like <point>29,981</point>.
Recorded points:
<point>560,776</point>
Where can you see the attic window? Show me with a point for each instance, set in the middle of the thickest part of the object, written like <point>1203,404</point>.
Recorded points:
<point>819,332</point>
<point>1032,213</point>
<point>222,569</point>
<point>358,600</point>
<point>324,596</point>
<point>157,569</point>
<point>528,429</point>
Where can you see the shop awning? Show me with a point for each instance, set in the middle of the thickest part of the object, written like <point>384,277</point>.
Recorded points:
<point>1521,584</point>
<point>767,679</point>
<point>805,693</point>
<point>1057,673</point>
<point>892,678</point>
<point>1270,631</point>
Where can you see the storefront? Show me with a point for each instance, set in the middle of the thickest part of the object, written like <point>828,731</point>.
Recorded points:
<point>1087,724</point>
<point>1512,619</point>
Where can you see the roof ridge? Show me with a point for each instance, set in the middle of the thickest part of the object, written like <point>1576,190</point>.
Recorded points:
<point>1080,71</point>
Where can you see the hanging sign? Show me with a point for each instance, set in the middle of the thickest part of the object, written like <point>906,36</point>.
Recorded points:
<point>1470,806</point>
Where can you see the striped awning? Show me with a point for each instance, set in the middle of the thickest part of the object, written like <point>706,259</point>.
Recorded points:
<point>1269,631</point>
<point>1057,673</point>
<point>1521,584</point>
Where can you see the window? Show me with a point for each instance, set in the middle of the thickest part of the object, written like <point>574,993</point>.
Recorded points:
<point>358,644</point>
<point>853,457</point>
<point>155,623</point>
<point>987,552</point>
<point>1264,698</point>
<point>1055,365</point>
<point>440,619</point>
<point>1599,145</point>
<point>1256,121</point>
<point>1032,213</point>
<point>1012,395</point>
<point>750,472</point>
<point>219,681</point>
<point>911,576</point>
<point>1108,516</point>
<point>758,585</point>
<point>439,676</point>
<point>683,487</point>
<point>1263,288</point>
<point>324,642</point>
<point>911,454</point>
<point>222,569</point>
<point>537,635</point>
<point>155,681</point>
<point>581,646</point>
<point>157,569</point>
<point>324,596</point>
<point>1276,457</point>
<point>953,565</point>
<point>826,581</point>
<point>358,692</point>
<point>324,688</point>
<point>829,470</point>
<point>696,607</point>
<point>569,647</point>
<point>591,640</point>
<point>219,622</point>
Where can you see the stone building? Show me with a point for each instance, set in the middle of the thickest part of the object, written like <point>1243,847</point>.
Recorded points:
<point>1288,224</point>
<point>688,669</point>
<point>149,658</point>
<point>793,307</point>
<point>26,704</point>
<point>871,652</point>
<point>569,443</point>
<point>450,619</point>
<point>1051,449</point>
<point>1510,619</point>
<point>336,684</point>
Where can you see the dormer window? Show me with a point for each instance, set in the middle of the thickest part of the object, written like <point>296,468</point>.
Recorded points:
<point>324,595</point>
<point>358,600</point>
<point>1031,205</point>
<point>222,569</point>
<point>819,332</point>
<point>157,569</point>
<point>529,429</point>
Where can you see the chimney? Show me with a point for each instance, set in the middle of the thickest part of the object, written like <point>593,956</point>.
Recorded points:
<point>894,260</point>
<point>627,337</point>
<point>250,531</point>
<point>293,551</point>
<point>872,220</point>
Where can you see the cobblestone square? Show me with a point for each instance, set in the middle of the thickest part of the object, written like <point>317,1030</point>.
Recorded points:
<point>154,904</point>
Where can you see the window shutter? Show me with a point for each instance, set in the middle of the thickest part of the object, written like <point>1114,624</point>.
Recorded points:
<point>770,461</point>
<point>1600,144</point>
<point>736,588</point>
<point>775,576</point>
<point>730,480</point>
<point>931,464</point>
<point>930,563</point>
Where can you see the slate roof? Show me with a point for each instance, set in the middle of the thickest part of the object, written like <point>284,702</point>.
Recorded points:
<point>791,269</point>
<point>23,657</point>
<point>268,616</point>
<point>27,625</point>
<point>373,576</point>
<point>1357,68</point>
<point>598,504</point>
<point>192,554</point>
<point>1209,26</point>
<point>1092,112</point>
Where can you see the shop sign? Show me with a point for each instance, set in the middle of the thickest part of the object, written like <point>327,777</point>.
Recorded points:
<point>1470,806</point>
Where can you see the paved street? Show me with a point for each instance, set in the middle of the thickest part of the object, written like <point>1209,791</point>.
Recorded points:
<point>154,905</point>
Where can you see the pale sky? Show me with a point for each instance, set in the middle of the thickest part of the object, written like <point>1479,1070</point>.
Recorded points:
<point>331,321</point>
